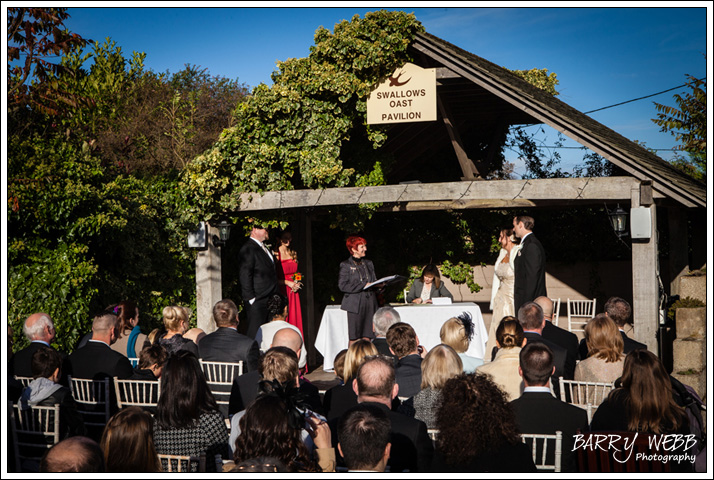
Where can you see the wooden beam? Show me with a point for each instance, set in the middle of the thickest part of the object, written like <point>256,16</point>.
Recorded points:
<point>467,165</point>
<point>567,189</point>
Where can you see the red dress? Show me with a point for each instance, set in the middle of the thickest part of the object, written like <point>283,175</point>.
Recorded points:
<point>294,310</point>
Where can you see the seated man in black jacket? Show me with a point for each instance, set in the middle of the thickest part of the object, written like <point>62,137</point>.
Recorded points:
<point>45,391</point>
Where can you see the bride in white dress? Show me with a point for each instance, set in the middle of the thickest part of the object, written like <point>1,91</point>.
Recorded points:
<point>502,286</point>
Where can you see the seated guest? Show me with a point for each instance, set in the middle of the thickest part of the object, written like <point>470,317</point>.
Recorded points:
<point>412,449</point>
<point>130,340</point>
<point>151,363</point>
<point>279,367</point>
<point>339,365</point>
<point>97,360</point>
<point>128,443</point>
<point>428,286</point>
<point>226,344</point>
<point>440,364</point>
<point>73,455</point>
<point>643,403</point>
<point>341,398</point>
<point>277,312</point>
<point>605,360</point>
<point>457,333</point>
<point>245,387</point>
<point>503,370</point>
<point>175,324</point>
<point>477,429</point>
<point>620,312</point>
<point>538,411</point>
<point>554,333</point>
<point>384,318</point>
<point>40,331</point>
<point>194,334</point>
<point>272,426</point>
<point>187,420</point>
<point>364,439</point>
<point>404,343</point>
<point>531,318</point>
<point>45,391</point>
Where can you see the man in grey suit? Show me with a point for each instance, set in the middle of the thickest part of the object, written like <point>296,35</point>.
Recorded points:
<point>537,411</point>
<point>258,278</point>
<point>226,344</point>
<point>561,336</point>
<point>529,265</point>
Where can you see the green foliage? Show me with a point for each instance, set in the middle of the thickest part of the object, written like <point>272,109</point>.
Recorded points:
<point>688,124</point>
<point>686,302</point>
<point>540,78</point>
<point>308,130</point>
<point>460,273</point>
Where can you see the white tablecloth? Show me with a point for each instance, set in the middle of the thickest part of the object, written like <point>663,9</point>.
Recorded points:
<point>332,336</point>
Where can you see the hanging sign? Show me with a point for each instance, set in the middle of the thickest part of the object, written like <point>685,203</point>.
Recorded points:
<point>408,95</point>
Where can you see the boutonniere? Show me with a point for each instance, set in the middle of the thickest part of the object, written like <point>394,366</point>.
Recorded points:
<point>519,253</point>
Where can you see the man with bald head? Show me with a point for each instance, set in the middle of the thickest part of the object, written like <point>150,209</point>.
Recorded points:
<point>560,336</point>
<point>40,330</point>
<point>376,386</point>
<point>73,455</point>
<point>245,387</point>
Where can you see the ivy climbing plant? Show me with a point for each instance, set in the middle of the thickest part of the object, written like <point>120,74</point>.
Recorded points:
<point>307,130</point>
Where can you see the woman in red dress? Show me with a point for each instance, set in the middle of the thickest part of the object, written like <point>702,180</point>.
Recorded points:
<point>291,279</point>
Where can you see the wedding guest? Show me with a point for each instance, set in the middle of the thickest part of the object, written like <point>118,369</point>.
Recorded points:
<point>39,329</point>
<point>278,312</point>
<point>130,340</point>
<point>457,333</point>
<point>73,455</point>
<point>364,439</point>
<point>187,420</point>
<point>503,370</point>
<point>605,361</point>
<point>341,398</point>
<point>339,365</point>
<point>477,429</point>
<point>128,443</point>
<point>176,324</point>
<point>620,311</point>
<point>194,334</point>
<point>440,364</point>
<point>554,333</point>
<point>502,285</point>
<point>404,343</point>
<point>152,360</point>
<point>226,344</point>
<point>384,318</point>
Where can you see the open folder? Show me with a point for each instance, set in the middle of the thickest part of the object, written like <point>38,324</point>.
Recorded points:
<point>384,281</point>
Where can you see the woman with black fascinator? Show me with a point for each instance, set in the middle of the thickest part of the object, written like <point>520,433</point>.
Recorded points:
<point>457,332</point>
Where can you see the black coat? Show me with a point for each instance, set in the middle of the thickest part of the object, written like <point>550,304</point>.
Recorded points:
<point>339,399</point>
<point>562,337</point>
<point>506,459</point>
<point>529,266</point>
<point>258,280</point>
<point>97,360</point>
<point>540,412</point>
<point>412,448</point>
<point>21,363</point>
<point>408,375</point>
<point>564,363</point>
<point>227,345</point>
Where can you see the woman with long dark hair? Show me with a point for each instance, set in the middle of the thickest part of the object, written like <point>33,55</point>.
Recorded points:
<point>187,420</point>
<point>428,286</point>
<point>477,429</point>
<point>130,340</point>
<point>128,442</point>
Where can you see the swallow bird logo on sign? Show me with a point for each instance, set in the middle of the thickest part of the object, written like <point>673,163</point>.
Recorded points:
<point>394,81</point>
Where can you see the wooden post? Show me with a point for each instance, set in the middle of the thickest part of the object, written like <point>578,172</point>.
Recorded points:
<point>467,165</point>
<point>678,263</point>
<point>209,288</point>
<point>645,272</point>
<point>302,230</point>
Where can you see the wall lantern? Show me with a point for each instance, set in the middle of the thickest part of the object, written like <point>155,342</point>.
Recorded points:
<point>618,219</point>
<point>224,232</point>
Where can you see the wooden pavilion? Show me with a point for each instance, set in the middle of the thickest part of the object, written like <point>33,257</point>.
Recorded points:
<point>475,95</point>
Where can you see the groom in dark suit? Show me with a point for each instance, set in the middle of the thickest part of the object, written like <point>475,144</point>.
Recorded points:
<point>529,265</point>
<point>258,278</point>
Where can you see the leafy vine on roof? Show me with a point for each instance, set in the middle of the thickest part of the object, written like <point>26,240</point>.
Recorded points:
<point>307,130</point>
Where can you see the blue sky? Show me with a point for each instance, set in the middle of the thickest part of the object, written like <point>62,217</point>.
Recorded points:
<point>602,56</point>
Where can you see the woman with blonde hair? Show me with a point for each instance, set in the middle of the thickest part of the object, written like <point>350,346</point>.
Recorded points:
<point>176,323</point>
<point>503,370</point>
<point>128,442</point>
<point>341,398</point>
<point>605,351</point>
<point>440,364</point>
<point>457,333</point>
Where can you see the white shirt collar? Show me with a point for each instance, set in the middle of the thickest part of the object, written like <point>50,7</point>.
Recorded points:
<point>524,236</point>
<point>99,341</point>
<point>536,389</point>
<point>41,341</point>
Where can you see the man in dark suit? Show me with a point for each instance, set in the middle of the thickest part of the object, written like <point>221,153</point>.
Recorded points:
<point>561,336</point>
<point>530,316</point>
<point>620,311</point>
<point>529,265</point>
<point>226,344</point>
<point>40,330</point>
<point>375,385</point>
<point>404,343</point>
<point>258,278</point>
<point>245,387</point>
<point>537,411</point>
<point>363,437</point>
<point>384,318</point>
<point>97,360</point>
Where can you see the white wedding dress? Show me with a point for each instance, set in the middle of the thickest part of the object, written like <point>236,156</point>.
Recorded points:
<point>502,302</point>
